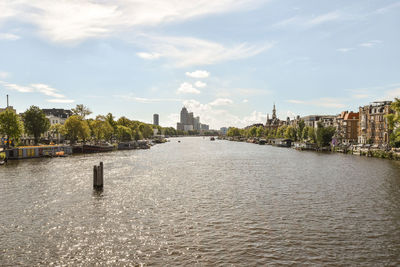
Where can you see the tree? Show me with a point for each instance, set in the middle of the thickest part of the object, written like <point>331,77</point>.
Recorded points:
<point>311,134</point>
<point>394,123</point>
<point>300,128</point>
<point>252,132</point>
<point>324,134</point>
<point>10,125</point>
<point>233,131</point>
<point>260,131</point>
<point>35,122</point>
<point>76,128</point>
<point>124,121</point>
<point>101,129</point>
<point>290,133</point>
<point>55,129</point>
<point>81,110</point>
<point>137,135</point>
<point>146,130</point>
<point>123,133</point>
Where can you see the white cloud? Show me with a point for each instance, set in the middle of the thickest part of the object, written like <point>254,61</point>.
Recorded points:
<point>187,88</point>
<point>198,74</point>
<point>131,97</point>
<point>221,102</point>
<point>189,51</point>
<point>344,50</point>
<point>392,94</point>
<point>47,90</point>
<point>371,43</point>
<point>200,84</point>
<point>245,101</point>
<point>74,21</point>
<point>38,88</point>
<point>331,16</point>
<point>361,96</point>
<point>60,100</point>
<point>9,36</point>
<point>145,55</point>
<point>320,102</point>
<point>16,87</point>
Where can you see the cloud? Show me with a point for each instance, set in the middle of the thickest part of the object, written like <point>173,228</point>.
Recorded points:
<point>320,102</point>
<point>392,94</point>
<point>75,21</point>
<point>47,90</point>
<point>187,88</point>
<point>131,97</point>
<point>200,84</point>
<point>16,87</point>
<point>371,43</point>
<point>198,74</point>
<point>331,16</point>
<point>344,50</point>
<point>252,91</point>
<point>59,100</point>
<point>388,8</point>
<point>245,101</point>
<point>221,102</point>
<point>9,36</point>
<point>145,55</point>
<point>38,88</point>
<point>189,51</point>
<point>361,96</point>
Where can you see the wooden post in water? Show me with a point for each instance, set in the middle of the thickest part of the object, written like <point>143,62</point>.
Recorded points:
<point>98,176</point>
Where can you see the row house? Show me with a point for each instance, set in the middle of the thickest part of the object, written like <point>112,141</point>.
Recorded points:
<point>346,125</point>
<point>373,126</point>
<point>312,120</point>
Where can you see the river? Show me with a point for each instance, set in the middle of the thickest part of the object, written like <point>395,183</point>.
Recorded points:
<point>199,202</point>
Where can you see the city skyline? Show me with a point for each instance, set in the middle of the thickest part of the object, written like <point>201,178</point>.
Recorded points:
<point>228,62</point>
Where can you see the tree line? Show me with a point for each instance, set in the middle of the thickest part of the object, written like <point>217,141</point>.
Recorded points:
<point>77,127</point>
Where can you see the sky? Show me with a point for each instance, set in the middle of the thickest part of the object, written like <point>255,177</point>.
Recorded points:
<point>228,61</point>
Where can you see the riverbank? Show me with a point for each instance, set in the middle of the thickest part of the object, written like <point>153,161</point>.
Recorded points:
<point>28,152</point>
<point>359,150</point>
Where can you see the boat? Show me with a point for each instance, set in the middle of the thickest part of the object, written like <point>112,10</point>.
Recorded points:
<point>212,138</point>
<point>97,148</point>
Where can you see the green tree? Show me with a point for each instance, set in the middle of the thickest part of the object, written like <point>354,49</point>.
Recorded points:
<point>300,128</point>
<point>252,132</point>
<point>394,123</point>
<point>311,134</point>
<point>123,133</point>
<point>101,129</point>
<point>124,121</point>
<point>233,131</point>
<point>324,135</point>
<point>146,130</point>
<point>35,122</point>
<point>81,111</point>
<point>260,131</point>
<point>76,128</point>
<point>290,133</point>
<point>137,135</point>
<point>10,125</point>
<point>55,129</point>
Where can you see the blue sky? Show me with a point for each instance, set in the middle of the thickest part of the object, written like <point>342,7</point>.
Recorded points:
<point>227,61</point>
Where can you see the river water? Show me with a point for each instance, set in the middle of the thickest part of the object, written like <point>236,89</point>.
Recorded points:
<point>199,202</point>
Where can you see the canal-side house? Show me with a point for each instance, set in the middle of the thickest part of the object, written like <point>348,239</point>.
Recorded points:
<point>55,116</point>
<point>373,126</point>
<point>346,125</point>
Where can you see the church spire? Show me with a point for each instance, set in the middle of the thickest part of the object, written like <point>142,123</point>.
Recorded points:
<point>274,113</point>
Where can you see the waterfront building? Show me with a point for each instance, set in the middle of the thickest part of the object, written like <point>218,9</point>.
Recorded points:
<point>346,125</point>
<point>373,126</point>
<point>223,130</point>
<point>274,122</point>
<point>312,120</point>
<point>188,122</point>
<point>156,119</point>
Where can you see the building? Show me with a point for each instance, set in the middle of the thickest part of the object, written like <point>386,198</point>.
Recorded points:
<point>373,126</point>
<point>273,123</point>
<point>156,119</point>
<point>188,122</point>
<point>8,107</point>
<point>346,125</point>
<point>312,120</point>
<point>57,115</point>
<point>223,130</point>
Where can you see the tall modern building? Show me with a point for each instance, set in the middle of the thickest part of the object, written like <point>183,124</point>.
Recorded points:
<point>188,122</point>
<point>156,119</point>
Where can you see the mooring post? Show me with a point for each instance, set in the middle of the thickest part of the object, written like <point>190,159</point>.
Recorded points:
<point>98,176</point>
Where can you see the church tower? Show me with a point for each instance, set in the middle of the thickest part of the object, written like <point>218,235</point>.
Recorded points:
<point>274,113</point>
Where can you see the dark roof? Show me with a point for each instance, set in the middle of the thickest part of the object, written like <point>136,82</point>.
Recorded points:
<point>58,112</point>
